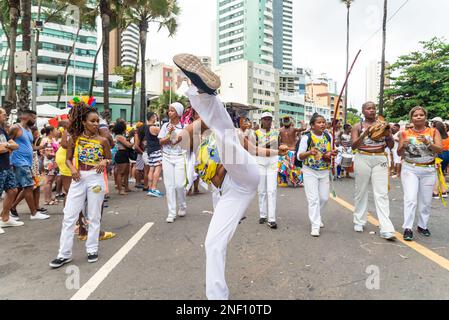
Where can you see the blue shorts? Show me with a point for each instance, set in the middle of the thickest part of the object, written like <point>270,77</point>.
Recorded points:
<point>7,180</point>
<point>24,177</point>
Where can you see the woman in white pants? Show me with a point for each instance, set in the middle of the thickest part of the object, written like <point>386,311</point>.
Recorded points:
<point>224,163</point>
<point>315,150</point>
<point>266,137</point>
<point>419,147</point>
<point>174,162</point>
<point>88,155</point>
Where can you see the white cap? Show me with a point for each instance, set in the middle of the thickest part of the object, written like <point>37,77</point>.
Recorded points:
<point>266,114</point>
<point>437,119</point>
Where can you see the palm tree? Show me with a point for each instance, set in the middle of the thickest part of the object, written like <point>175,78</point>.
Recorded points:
<point>348,6</point>
<point>11,96</point>
<point>108,13</point>
<point>382,64</point>
<point>87,16</point>
<point>24,93</point>
<point>163,12</point>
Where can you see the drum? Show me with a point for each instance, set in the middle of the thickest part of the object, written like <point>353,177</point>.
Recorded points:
<point>346,160</point>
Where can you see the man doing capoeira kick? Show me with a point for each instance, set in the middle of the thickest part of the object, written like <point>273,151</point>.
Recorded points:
<point>222,161</point>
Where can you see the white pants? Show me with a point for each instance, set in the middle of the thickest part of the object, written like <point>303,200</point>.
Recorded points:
<point>237,190</point>
<point>316,185</point>
<point>374,168</point>
<point>267,186</point>
<point>78,193</point>
<point>174,170</point>
<point>417,183</point>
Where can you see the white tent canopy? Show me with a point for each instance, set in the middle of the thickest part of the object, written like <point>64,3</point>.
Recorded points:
<point>47,110</point>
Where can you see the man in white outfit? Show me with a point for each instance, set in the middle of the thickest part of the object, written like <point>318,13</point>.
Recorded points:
<point>224,163</point>
<point>267,137</point>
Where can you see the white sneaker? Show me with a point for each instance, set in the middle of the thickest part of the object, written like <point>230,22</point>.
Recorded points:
<point>11,223</point>
<point>13,218</point>
<point>315,232</point>
<point>39,216</point>
<point>182,212</point>
<point>170,220</point>
<point>388,235</point>
<point>321,225</point>
<point>358,228</point>
<point>2,231</point>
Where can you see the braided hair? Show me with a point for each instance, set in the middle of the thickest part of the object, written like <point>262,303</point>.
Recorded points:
<point>78,113</point>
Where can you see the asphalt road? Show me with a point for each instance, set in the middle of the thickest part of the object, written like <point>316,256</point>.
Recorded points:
<point>168,261</point>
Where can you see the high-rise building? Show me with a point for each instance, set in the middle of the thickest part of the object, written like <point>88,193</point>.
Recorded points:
<point>124,47</point>
<point>130,46</point>
<point>283,35</point>
<point>293,82</point>
<point>245,31</point>
<point>372,80</point>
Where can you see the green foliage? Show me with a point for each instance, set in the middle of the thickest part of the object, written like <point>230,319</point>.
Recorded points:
<point>352,116</point>
<point>127,73</point>
<point>160,105</point>
<point>422,78</point>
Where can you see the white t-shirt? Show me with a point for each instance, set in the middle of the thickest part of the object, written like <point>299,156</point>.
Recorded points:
<point>169,148</point>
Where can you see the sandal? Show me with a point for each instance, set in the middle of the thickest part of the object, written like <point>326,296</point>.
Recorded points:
<point>107,235</point>
<point>82,238</point>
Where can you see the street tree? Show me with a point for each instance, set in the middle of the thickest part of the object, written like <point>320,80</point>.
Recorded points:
<point>420,78</point>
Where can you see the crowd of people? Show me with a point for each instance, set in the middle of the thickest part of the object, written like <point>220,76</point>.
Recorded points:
<point>202,144</point>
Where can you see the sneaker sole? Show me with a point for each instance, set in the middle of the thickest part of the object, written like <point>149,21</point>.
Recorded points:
<point>60,265</point>
<point>192,64</point>
<point>92,260</point>
<point>389,238</point>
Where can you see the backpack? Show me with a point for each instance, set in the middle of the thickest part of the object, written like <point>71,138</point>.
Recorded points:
<point>299,163</point>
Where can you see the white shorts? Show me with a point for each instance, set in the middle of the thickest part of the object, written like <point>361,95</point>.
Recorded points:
<point>154,159</point>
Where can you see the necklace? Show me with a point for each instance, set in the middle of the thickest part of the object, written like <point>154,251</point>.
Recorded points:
<point>87,136</point>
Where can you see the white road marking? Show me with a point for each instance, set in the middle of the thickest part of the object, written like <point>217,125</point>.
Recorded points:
<point>91,285</point>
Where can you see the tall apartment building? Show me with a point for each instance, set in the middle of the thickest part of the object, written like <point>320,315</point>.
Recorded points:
<point>372,80</point>
<point>283,35</point>
<point>124,47</point>
<point>245,31</point>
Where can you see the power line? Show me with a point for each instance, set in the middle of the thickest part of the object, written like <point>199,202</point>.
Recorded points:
<point>393,15</point>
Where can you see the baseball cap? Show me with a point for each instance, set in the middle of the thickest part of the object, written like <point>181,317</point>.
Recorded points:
<point>266,114</point>
<point>437,119</point>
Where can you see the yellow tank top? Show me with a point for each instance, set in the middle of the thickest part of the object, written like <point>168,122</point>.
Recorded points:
<point>88,151</point>
<point>207,159</point>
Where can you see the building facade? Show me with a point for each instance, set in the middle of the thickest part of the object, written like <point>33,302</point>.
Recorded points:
<point>283,35</point>
<point>54,45</point>
<point>250,83</point>
<point>372,80</point>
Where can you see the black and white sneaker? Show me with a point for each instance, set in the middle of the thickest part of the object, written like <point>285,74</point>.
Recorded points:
<point>59,262</point>
<point>92,257</point>
<point>42,210</point>
<point>13,213</point>
<point>272,224</point>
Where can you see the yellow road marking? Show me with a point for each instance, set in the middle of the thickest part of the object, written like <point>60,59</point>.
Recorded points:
<point>429,254</point>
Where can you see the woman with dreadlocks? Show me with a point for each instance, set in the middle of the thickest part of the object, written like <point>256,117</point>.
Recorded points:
<point>88,155</point>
